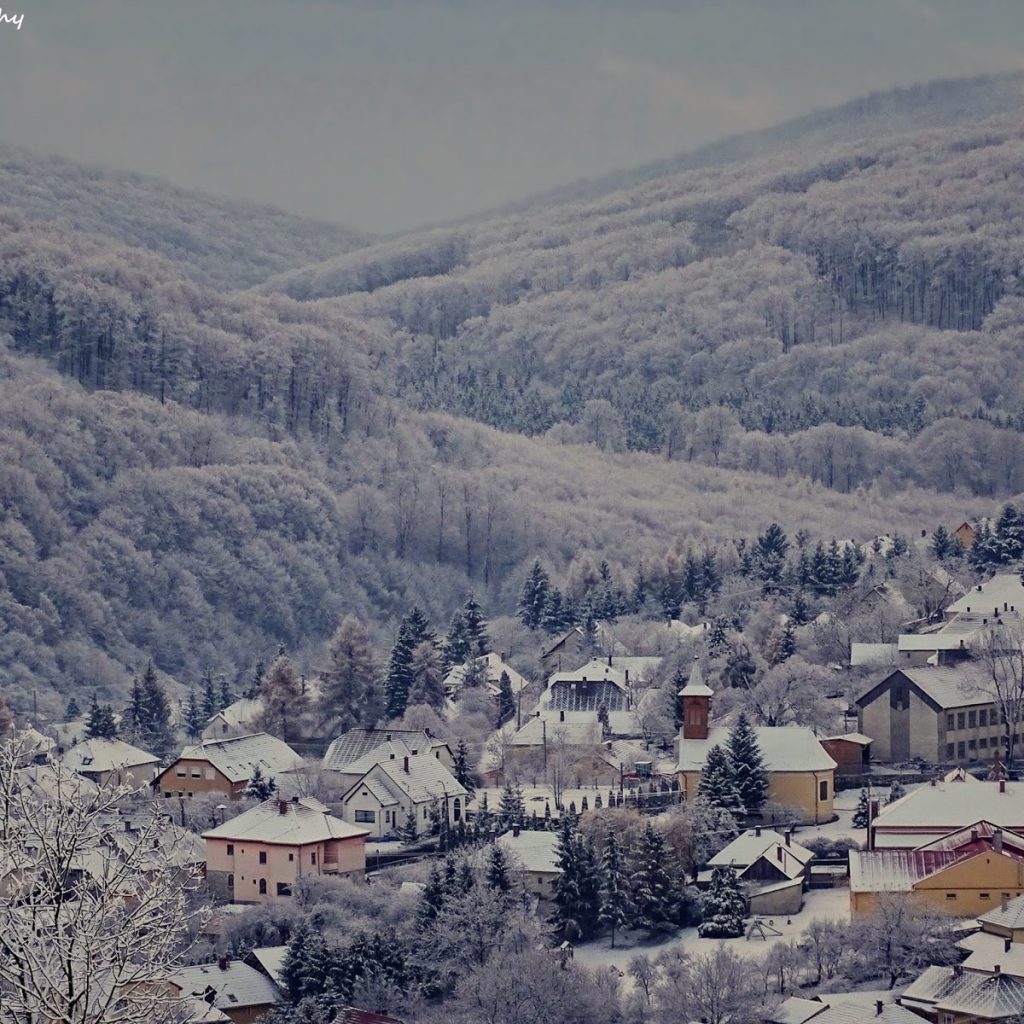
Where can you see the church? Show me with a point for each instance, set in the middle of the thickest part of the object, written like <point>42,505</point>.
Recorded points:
<point>801,774</point>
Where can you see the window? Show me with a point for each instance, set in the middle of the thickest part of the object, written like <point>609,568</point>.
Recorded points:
<point>983,742</point>
<point>366,817</point>
<point>180,771</point>
<point>960,720</point>
<point>983,716</point>
<point>231,849</point>
<point>196,772</point>
<point>961,749</point>
<point>984,896</point>
<point>949,723</point>
<point>263,887</point>
<point>457,809</point>
<point>972,719</point>
<point>950,751</point>
<point>823,790</point>
<point>189,795</point>
<point>950,895</point>
<point>231,881</point>
<point>291,856</point>
<point>284,889</point>
<point>971,745</point>
<point>263,856</point>
<point>168,794</point>
<point>387,817</point>
<point>312,858</point>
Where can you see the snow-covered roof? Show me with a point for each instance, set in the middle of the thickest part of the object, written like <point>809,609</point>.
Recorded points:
<point>238,715</point>
<point>1003,592</point>
<point>48,781</point>
<point>949,686</point>
<point>356,743</point>
<point>237,757</point>
<point>750,846</point>
<point>971,993</point>
<point>852,737</point>
<point>420,778</point>
<point>595,670</point>
<point>495,666</point>
<point>872,655</point>
<point>1012,916</point>
<point>271,960</point>
<point>102,755</point>
<point>236,985</point>
<point>578,729</point>
<point>959,774</point>
<point>536,851</point>
<point>785,748</point>
<point>695,685</point>
<point>988,951</point>
<point>286,822</point>
<point>796,1010</point>
<point>946,806</point>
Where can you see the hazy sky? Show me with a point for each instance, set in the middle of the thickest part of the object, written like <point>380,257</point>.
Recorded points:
<point>386,114</point>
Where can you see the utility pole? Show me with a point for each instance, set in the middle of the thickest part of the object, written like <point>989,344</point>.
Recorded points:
<point>544,739</point>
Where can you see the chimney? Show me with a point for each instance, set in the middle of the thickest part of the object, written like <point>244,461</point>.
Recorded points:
<point>405,765</point>
<point>1007,945</point>
<point>609,661</point>
<point>924,533</point>
<point>932,782</point>
<point>561,716</point>
<point>1002,785</point>
<point>515,830</point>
<point>1002,905</point>
<point>789,837</point>
<point>757,830</point>
<point>282,806</point>
<point>997,969</point>
<point>874,809</point>
<point>878,1007</point>
<point>222,963</point>
<point>997,840</point>
<point>974,836</point>
<point>958,970</point>
<point>503,655</point>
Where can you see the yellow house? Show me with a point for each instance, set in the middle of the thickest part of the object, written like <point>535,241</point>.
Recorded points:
<point>258,856</point>
<point>801,774</point>
<point>534,856</point>
<point>967,873</point>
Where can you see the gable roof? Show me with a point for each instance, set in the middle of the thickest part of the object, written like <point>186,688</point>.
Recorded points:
<point>949,806</point>
<point>243,712</point>
<point>1012,916</point>
<point>536,851</point>
<point>784,748</point>
<point>270,959</point>
<point>236,985</point>
<point>812,1011</point>
<point>237,757</point>
<point>495,666</point>
<point>286,823</point>
<point>988,951</point>
<point>101,755</point>
<point>353,1015</point>
<point>426,779</point>
<point>354,744</point>
<point>748,847</point>
<point>946,686</point>
<point>1005,588</point>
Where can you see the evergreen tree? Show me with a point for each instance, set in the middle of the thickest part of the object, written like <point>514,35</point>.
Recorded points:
<point>556,615</point>
<point>534,596</point>
<point>72,711</point>
<point>717,637</point>
<point>475,674</point>
<point>506,700</point>
<point>408,830</point>
<point>227,697</point>
<point>419,628</point>
<point>457,642</point>
<point>799,612</point>
<point>586,646</point>
<point>399,678</point>
<point>431,899</point>
<point>461,769</point>
<point>476,628</point>
<point>768,558</point>
<point>615,907</point>
<point>748,766</point>
<point>284,699</point>
<point>577,895</point>
<point>209,700</point>
<point>717,786</point>
<point>134,720</point>
<point>157,732</point>
<point>194,719</point>
<point>257,680</point>
<point>723,907</point>
<point>496,874</point>
<point>862,812</point>
<point>942,544</point>
<point>260,787</point>
<point>350,693</point>
<point>896,791</point>
<point>511,808</point>
<point>651,894</point>
<point>426,677</point>
<point>294,966</point>
<point>100,723</point>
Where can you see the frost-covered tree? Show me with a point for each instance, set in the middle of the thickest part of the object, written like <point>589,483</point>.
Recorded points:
<point>651,895</point>
<point>717,786</point>
<point>260,786</point>
<point>426,677</point>
<point>283,698</point>
<point>350,692</point>
<point>100,722</point>
<point>577,889</point>
<point>506,699</point>
<point>723,907</point>
<point>748,766</point>
<point>533,596</point>
<point>862,812</point>
<point>476,627</point>
<point>616,910</point>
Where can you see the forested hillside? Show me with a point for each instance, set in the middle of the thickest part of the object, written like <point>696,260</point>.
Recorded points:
<point>215,241</point>
<point>844,313</point>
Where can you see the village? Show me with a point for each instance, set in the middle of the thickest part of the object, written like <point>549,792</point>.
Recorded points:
<point>615,837</point>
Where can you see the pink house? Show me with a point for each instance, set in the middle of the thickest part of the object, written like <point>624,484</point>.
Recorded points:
<point>258,856</point>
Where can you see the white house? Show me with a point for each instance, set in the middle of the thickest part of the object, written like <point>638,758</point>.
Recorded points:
<point>494,665</point>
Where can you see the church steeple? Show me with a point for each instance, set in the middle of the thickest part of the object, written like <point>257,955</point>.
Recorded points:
<point>696,697</point>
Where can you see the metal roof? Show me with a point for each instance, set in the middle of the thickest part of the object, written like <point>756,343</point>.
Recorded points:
<point>356,743</point>
<point>237,757</point>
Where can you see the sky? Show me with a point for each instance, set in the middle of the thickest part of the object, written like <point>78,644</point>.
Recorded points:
<point>389,114</point>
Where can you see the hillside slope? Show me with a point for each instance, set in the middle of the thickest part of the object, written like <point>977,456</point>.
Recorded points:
<point>217,242</point>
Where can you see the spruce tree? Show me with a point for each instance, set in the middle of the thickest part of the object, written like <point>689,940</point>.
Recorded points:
<point>209,696</point>
<point>717,637</point>
<point>717,786</point>
<point>650,885</point>
<point>586,646</point>
<point>256,684</point>
<point>426,683</point>
<point>506,700</point>
<point>399,677</point>
<point>100,723</point>
<point>72,711</point>
<point>942,544</point>
<point>476,628</point>
<point>194,719</point>
<point>408,830</point>
<point>615,907</point>
<point>157,734</point>
<point>896,791</point>
<point>799,612</point>
<point>511,808</point>
<point>862,812</point>
<point>556,614</point>
<point>768,558</point>
<point>496,874</point>
<point>577,891</point>
<point>457,643</point>
<point>533,596</point>
<point>350,684</point>
<point>134,721</point>
<point>418,627</point>
<point>431,899</point>
<point>227,697</point>
<point>260,787</point>
<point>723,907</point>
<point>461,769</point>
<point>748,766</point>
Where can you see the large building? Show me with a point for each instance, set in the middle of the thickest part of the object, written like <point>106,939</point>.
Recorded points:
<point>258,856</point>
<point>801,774</point>
<point>227,766</point>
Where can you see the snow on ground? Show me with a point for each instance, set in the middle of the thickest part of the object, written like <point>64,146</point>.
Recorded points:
<point>833,904</point>
<point>534,797</point>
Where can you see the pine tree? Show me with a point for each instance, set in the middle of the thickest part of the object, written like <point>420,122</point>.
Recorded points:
<point>586,646</point>
<point>511,808</point>
<point>227,697</point>
<point>209,699</point>
<point>399,678</point>
<point>461,769</point>
<point>862,812</point>
<point>418,627</point>
<point>533,596</point>
<point>799,612</point>
<point>650,885</point>
<point>718,637</point>
<point>456,643</point>
<point>134,720</point>
<point>556,615</point>
<point>194,719</point>
<point>496,874</point>
<point>723,907</point>
<point>896,791</point>
<point>615,907</point>
<point>577,891</point>
<point>260,787</point>
<point>506,700</point>
<point>942,544</point>
<point>256,685</point>
<point>100,723</point>
<point>72,711</point>
<point>426,684</point>
<point>284,699</point>
<point>748,766</point>
<point>717,786</point>
<point>768,558</point>
<point>350,685</point>
<point>476,628</point>
<point>408,830</point>
<point>431,898</point>
<point>157,734</point>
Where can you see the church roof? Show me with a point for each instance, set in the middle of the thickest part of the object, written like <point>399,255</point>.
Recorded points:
<point>695,686</point>
<point>785,748</point>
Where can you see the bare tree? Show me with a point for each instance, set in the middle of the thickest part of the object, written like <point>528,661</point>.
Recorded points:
<point>87,935</point>
<point>1002,652</point>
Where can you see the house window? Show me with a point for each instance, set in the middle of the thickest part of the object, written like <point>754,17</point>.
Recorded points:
<point>168,794</point>
<point>983,742</point>
<point>263,887</point>
<point>366,817</point>
<point>961,749</point>
<point>984,896</point>
<point>284,889</point>
<point>971,745</point>
<point>457,810</point>
<point>823,790</point>
<point>950,751</point>
<point>387,817</point>
<point>231,849</point>
<point>263,856</point>
<point>426,813</point>
<point>949,723</point>
<point>291,856</point>
<point>196,772</point>
<point>983,717</point>
<point>231,881</point>
<point>960,724</point>
<point>312,858</point>
<point>972,719</point>
<point>950,895</point>
<point>180,771</point>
